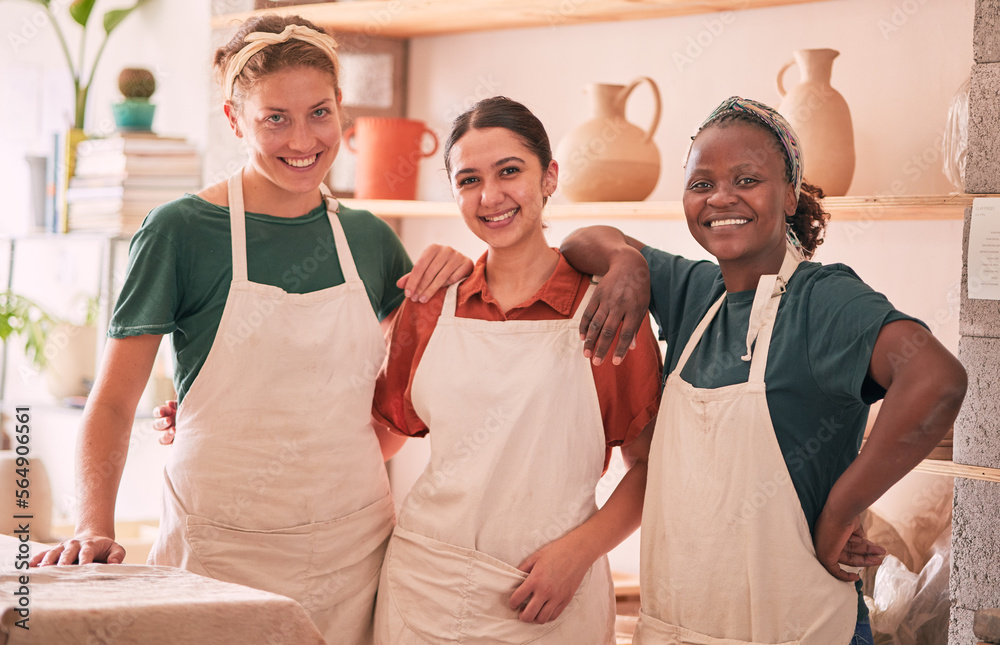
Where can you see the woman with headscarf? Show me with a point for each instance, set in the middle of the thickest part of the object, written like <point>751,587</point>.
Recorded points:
<point>755,484</point>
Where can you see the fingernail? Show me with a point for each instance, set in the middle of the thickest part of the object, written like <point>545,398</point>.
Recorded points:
<point>598,361</point>
<point>407,293</point>
<point>617,360</point>
<point>423,298</point>
<point>587,353</point>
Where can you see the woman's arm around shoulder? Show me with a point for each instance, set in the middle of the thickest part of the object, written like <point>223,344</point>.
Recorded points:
<point>622,296</point>
<point>437,267</point>
<point>407,334</point>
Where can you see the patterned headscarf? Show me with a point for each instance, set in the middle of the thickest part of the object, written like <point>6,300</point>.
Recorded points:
<point>769,117</point>
<point>258,40</point>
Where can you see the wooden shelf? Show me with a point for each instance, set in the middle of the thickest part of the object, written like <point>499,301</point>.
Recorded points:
<point>410,18</point>
<point>951,469</point>
<point>888,208</point>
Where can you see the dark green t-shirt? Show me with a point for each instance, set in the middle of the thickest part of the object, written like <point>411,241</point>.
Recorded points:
<point>180,267</point>
<point>817,383</point>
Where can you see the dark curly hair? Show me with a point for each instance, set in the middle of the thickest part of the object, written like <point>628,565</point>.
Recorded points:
<point>809,220</point>
<point>274,58</point>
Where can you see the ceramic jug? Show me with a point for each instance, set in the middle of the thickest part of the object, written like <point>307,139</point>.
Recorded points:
<point>608,159</point>
<point>388,152</point>
<point>820,116</point>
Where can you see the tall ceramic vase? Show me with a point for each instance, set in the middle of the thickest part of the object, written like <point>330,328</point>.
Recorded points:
<point>821,118</point>
<point>608,159</point>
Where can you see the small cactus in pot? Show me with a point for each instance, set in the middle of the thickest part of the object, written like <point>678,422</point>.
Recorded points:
<point>135,112</point>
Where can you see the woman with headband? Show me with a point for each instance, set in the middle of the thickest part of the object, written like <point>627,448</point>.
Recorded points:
<point>755,484</point>
<point>273,293</point>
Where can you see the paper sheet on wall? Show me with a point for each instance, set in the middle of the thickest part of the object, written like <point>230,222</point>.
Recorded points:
<point>984,249</point>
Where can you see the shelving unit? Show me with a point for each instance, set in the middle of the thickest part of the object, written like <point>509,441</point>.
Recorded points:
<point>411,18</point>
<point>877,208</point>
<point>951,469</point>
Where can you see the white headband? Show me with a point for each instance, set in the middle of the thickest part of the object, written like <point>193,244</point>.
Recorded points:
<point>258,40</point>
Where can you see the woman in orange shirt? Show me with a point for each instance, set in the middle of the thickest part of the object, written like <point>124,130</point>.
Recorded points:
<point>500,539</point>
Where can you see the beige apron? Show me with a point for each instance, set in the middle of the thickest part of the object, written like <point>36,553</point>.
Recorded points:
<point>517,449</point>
<point>276,479</point>
<point>727,557</point>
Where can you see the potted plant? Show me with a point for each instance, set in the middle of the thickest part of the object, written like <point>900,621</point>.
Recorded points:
<point>135,112</point>
<point>63,351</point>
<point>79,11</point>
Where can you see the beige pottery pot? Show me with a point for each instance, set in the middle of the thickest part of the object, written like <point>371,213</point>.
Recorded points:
<point>608,159</point>
<point>820,116</point>
<point>39,496</point>
<point>71,358</point>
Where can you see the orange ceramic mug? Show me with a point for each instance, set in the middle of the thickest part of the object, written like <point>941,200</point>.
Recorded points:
<point>389,151</point>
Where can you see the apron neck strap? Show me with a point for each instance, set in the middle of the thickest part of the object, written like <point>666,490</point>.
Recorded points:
<point>762,316</point>
<point>770,288</point>
<point>698,332</point>
<point>347,265</point>
<point>578,314</point>
<point>450,301</point>
<point>238,226</point>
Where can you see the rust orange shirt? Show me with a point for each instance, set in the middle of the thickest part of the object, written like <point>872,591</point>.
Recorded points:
<point>629,393</point>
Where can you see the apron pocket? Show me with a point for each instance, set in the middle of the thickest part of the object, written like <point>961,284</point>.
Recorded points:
<point>325,561</point>
<point>653,631</point>
<point>446,593</point>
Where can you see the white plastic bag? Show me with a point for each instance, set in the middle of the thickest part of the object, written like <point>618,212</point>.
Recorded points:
<point>954,146</point>
<point>909,608</point>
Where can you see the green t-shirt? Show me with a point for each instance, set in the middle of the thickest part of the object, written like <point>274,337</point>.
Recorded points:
<point>817,383</point>
<point>180,268</point>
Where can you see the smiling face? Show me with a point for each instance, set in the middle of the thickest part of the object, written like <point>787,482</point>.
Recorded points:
<point>736,197</point>
<point>500,187</point>
<point>291,123</point>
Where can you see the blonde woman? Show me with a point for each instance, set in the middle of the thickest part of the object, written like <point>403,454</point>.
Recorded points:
<point>273,294</point>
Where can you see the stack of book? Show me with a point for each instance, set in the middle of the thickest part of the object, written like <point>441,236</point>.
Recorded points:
<point>118,180</point>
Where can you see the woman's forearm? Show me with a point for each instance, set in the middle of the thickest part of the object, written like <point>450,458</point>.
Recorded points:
<point>593,249</point>
<point>101,450</point>
<point>106,427</point>
<point>618,518</point>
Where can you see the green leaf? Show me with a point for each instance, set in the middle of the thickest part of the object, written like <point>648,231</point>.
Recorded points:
<point>114,17</point>
<point>80,10</point>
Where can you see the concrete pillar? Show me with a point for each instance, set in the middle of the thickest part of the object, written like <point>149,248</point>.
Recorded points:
<point>975,571</point>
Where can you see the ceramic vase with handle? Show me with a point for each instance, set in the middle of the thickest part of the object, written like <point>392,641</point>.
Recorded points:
<point>820,116</point>
<point>608,159</point>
